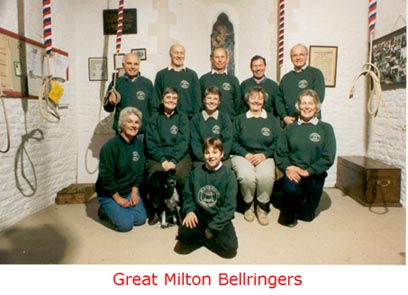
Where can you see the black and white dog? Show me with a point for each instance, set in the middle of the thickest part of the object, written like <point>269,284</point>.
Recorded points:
<point>163,198</point>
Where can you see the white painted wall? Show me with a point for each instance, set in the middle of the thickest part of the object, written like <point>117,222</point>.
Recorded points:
<point>69,151</point>
<point>387,132</point>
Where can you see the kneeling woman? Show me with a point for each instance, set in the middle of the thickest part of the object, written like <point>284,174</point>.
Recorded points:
<point>121,166</point>
<point>305,151</point>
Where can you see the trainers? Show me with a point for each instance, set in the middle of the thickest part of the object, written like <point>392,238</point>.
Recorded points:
<point>249,214</point>
<point>262,216</point>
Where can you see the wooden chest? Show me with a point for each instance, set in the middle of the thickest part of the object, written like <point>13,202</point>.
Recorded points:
<point>75,194</point>
<point>368,181</point>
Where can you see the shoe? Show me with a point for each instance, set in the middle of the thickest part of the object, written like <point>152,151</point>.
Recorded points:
<point>183,249</point>
<point>102,214</point>
<point>306,216</point>
<point>153,219</point>
<point>287,219</point>
<point>249,214</point>
<point>262,216</point>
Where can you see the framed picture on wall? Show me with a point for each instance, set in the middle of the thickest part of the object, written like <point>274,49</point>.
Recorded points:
<point>325,59</point>
<point>390,57</point>
<point>140,52</point>
<point>98,68</point>
<point>117,60</point>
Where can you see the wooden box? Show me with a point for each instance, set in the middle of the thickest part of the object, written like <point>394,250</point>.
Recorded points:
<point>75,194</point>
<point>370,182</point>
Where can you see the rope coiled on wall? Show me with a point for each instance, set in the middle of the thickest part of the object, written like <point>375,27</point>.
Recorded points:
<point>371,71</point>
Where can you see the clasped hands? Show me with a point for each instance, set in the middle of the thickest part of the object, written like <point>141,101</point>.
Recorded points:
<point>295,173</point>
<point>125,203</point>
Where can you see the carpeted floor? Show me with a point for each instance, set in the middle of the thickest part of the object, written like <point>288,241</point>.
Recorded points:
<point>344,232</point>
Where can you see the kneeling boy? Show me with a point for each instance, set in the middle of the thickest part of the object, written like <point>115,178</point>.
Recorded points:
<point>209,202</point>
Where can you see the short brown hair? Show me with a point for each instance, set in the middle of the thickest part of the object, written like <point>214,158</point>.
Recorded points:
<point>213,142</point>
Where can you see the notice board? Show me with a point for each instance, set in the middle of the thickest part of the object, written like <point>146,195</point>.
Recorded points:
<point>22,64</point>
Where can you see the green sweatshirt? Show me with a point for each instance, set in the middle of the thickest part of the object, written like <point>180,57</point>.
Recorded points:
<point>269,86</point>
<point>137,93</point>
<point>230,92</point>
<point>187,85</point>
<point>308,146</point>
<point>255,135</point>
<point>213,193</point>
<point>121,166</point>
<point>200,129</point>
<point>292,84</point>
<point>167,138</point>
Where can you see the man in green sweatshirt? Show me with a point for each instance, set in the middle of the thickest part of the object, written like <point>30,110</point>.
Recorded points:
<point>270,87</point>
<point>181,78</point>
<point>228,84</point>
<point>293,83</point>
<point>134,90</point>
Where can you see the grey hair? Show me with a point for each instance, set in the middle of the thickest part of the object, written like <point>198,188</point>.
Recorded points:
<point>129,111</point>
<point>254,89</point>
<point>312,93</point>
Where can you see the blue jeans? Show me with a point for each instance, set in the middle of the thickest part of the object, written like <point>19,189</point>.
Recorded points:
<point>123,219</point>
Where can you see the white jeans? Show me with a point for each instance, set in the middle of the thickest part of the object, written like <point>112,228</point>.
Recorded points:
<point>253,180</point>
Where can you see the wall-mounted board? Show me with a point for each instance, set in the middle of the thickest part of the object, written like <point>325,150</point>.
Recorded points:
<point>22,64</point>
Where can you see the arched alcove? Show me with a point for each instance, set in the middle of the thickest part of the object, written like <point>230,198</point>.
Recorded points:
<point>222,35</point>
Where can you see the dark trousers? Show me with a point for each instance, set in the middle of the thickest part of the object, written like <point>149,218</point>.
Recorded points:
<point>223,243</point>
<point>302,198</point>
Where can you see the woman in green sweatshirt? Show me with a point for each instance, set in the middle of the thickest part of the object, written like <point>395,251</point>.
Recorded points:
<point>210,122</point>
<point>121,166</point>
<point>256,134</point>
<point>305,151</point>
<point>167,141</point>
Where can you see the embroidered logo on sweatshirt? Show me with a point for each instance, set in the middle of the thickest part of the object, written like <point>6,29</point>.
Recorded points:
<point>302,84</point>
<point>266,131</point>
<point>140,95</point>
<point>135,156</point>
<point>226,86</point>
<point>173,129</point>
<point>216,129</point>
<point>315,137</point>
<point>184,84</point>
<point>208,196</point>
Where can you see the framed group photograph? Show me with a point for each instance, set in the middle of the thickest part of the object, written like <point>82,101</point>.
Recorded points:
<point>140,52</point>
<point>390,57</point>
<point>98,68</point>
<point>325,59</point>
